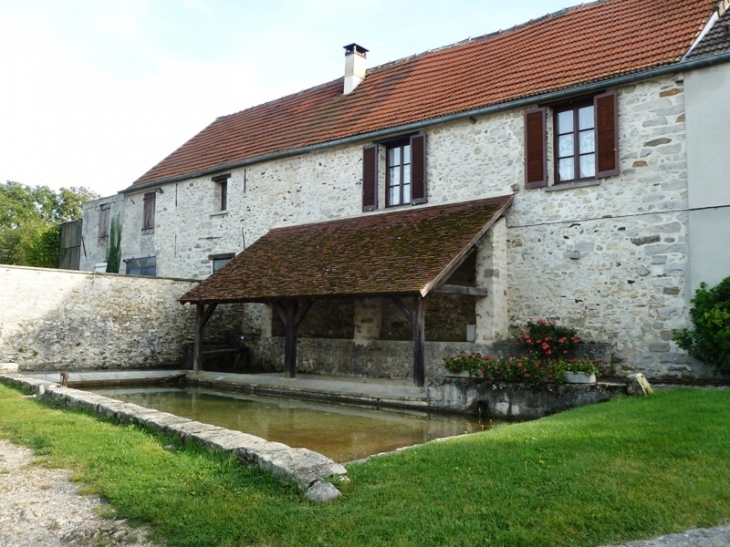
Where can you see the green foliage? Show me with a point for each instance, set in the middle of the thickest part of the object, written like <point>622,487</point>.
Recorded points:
<point>29,218</point>
<point>598,475</point>
<point>114,249</point>
<point>709,341</point>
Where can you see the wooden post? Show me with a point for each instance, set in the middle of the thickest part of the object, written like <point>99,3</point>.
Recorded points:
<point>419,342</point>
<point>198,340</point>
<point>290,343</point>
<point>202,314</point>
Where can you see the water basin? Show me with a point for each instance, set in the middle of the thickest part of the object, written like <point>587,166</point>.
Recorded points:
<point>341,432</point>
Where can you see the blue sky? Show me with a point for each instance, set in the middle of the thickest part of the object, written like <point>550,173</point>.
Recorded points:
<point>96,92</point>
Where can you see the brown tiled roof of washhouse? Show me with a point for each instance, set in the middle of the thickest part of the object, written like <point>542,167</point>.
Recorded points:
<point>717,39</point>
<point>575,46</point>
<point>403,252</point>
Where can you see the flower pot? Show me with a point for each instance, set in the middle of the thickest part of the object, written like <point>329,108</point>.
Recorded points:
<point>579,378</point>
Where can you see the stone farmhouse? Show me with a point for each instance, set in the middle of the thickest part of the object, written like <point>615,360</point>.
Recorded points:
<point>573,167</point>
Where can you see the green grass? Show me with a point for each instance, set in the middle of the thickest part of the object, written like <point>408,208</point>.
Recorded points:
<point>629,469</point>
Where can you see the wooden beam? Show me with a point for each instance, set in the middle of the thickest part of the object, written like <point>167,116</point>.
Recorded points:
<point>462,290</point>
<point>202,314</point>
<point>403,309</point>
<point>304,308</point>
<point>208,312</point>
<point>279,307</point>
<point>419,343</point>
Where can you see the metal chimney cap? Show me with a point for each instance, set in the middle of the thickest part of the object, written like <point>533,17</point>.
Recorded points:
<point>355,48</point>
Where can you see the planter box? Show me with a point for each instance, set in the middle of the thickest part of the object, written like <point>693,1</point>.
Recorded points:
<point>579,378</point>
<point>462,374</point>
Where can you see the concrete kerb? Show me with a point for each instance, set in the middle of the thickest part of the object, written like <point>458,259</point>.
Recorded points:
<point>308,469</point>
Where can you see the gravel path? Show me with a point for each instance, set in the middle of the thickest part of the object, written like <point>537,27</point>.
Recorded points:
<point>41,507</point>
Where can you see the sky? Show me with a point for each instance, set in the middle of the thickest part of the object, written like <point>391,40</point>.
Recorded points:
<point>96,92</point>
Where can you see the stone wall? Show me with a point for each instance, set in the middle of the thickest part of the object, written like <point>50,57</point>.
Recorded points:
<point>607,256</point>
<point>57,319</point>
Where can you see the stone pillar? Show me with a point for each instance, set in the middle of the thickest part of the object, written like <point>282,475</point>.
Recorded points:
<point>267,313</point>
<point>368,318</point>
<point>491,273</point>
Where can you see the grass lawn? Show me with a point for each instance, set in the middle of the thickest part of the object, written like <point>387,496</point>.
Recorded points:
<point>628,469</point>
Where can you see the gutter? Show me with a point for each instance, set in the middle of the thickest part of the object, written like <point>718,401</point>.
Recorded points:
<point>682,66</point>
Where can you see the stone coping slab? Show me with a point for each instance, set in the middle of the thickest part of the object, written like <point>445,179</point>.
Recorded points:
<point>309,469</point>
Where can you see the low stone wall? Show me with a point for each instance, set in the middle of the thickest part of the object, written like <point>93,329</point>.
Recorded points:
<point>301,465</point>
<point>381,358</point>
<point>514,401</point>
<point>60,319</point>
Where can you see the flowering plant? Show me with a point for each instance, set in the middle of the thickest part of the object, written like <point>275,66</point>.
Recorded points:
<point>548,339</point>
<point>529,369</point>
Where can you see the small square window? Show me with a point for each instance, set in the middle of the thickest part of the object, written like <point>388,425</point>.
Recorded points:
<point>146,266</point>
<point>221,192</point>
<point>220,260</point>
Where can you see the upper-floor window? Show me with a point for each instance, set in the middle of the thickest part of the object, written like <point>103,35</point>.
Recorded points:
<point>148,214</point>
<point>398,173</point>
<point>104,212</point>
<point>221,192</point>
<point>575,143</point>
<point>585,141</point>
<point>405,172</point>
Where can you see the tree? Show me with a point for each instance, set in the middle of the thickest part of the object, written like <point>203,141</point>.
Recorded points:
<point>114,250</point>
<point>29,218</point>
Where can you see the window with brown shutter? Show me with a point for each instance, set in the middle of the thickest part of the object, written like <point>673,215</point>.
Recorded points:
<point>419,191</point>
<point>148,218</point>
<point>585,141</point>
<point>370,178</point>
<point>104,212</point>
<point>606,107</point>
<point>535,148</point>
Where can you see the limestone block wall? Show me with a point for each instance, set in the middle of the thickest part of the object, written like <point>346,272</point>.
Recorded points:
<point>609,257</point>
<point>69,320</point>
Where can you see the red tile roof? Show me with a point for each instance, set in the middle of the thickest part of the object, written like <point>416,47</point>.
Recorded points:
<point>578,45</point>
<point>404,252</point>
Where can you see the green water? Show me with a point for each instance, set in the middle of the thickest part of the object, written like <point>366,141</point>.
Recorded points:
<point>343,433</point>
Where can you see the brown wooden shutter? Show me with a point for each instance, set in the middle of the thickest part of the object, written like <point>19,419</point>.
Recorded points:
<point>606,111</point>
<point>536,148</point>
<point>370,178</point>
<point>419,190</point>
<point>148,220</point>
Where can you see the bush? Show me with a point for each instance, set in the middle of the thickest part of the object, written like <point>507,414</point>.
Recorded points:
<point>709,342</point>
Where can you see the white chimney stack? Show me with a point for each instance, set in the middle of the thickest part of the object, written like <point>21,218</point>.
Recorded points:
<point>355,66</point>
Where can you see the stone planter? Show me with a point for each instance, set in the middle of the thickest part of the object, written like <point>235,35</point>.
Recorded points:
<point>579,378</point>
<point>462,374</point>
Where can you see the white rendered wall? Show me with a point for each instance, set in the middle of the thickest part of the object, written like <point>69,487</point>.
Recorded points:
<point>708,145</point>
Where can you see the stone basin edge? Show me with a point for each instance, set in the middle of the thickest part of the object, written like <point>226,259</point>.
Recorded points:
<point>310,470</point>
